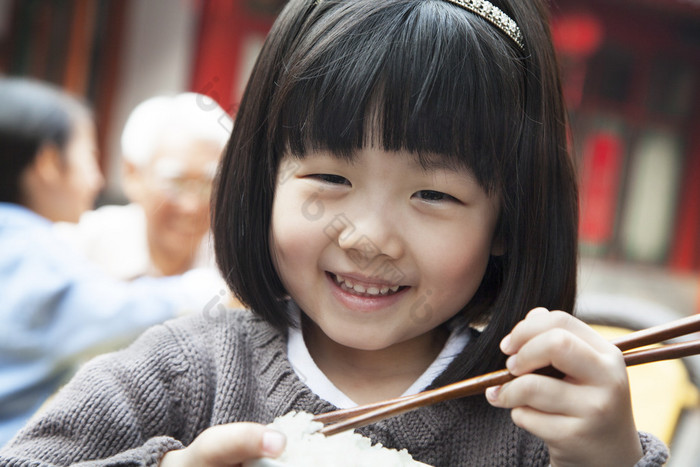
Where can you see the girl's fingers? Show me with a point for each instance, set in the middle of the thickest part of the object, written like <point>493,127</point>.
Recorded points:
<point>228,445</point>
<point>587,414</point>
<point>553,428</point>
<point>542,393</point>
<point>540,320</point>
<point>237,442</point>
<point>572,440</point>
<point>570,354</point>
<point>558,339</point>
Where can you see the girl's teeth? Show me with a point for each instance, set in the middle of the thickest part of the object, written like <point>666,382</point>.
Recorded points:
<point>372,290</point>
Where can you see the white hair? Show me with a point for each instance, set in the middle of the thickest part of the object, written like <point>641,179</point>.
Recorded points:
<point>189,114</point>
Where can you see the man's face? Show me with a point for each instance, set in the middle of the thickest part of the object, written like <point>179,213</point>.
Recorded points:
<point>174,191</point>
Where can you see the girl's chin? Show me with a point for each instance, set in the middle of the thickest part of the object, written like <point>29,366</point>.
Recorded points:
<point>359,338</point>
<point>344,335</point>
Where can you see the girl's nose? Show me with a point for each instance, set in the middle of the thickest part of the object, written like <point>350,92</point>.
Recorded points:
<point>368,235</point>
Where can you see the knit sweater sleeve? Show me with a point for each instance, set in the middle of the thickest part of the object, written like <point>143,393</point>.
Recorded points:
<point>655,451</point>
<point>125,408</point>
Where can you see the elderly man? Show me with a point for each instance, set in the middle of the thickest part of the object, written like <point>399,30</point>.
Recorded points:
<point>170,149</point>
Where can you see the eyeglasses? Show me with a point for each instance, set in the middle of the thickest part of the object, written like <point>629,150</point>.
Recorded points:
<point>176,187</point>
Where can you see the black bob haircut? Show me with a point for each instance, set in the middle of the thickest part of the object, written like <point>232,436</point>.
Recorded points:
<point>32,114</point>
<point>424,76</point>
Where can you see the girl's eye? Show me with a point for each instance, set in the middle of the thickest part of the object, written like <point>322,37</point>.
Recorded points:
<point>332,179</point>
<point>431,195</point>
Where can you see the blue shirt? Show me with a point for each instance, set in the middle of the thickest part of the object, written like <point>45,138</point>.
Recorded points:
<point>57,308</point>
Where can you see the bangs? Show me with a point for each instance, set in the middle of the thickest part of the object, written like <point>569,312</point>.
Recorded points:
<point>408,85</point>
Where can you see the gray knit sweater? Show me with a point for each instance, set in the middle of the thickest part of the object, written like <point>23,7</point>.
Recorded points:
<point>132,406</point>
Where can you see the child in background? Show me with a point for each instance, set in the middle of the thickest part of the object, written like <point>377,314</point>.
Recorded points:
<point>397,179</point>
<point>56,308</point>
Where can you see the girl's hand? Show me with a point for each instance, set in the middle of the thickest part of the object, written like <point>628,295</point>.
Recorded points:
<point>585,418</point>
<point>227,445</point>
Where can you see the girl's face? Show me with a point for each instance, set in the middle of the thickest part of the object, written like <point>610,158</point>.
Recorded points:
<point>379,250</point>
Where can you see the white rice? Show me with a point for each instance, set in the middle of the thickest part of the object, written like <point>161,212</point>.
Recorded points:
<point>307,448</point>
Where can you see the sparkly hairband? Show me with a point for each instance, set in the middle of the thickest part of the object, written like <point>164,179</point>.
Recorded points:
<point>495,16</point>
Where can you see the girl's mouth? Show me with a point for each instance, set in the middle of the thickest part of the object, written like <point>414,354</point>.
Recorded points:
<point>364,289</point>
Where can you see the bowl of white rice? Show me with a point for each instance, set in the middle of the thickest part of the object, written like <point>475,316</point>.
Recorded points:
<point>308,448</point>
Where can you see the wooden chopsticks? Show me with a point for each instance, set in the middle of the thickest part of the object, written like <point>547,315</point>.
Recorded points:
<point>346,419</point>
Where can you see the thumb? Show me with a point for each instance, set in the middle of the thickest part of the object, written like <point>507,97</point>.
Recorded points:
<point>234,443</point>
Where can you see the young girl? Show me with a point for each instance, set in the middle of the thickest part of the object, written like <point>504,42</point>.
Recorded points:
<point>397,179</point>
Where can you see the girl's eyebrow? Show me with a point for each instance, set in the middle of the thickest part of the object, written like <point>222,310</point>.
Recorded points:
<point>436,162</point>
<point>425,162</point>
<point>432,163</point>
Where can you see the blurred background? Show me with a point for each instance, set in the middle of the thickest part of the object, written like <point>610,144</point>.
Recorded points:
<point>631,77</point>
